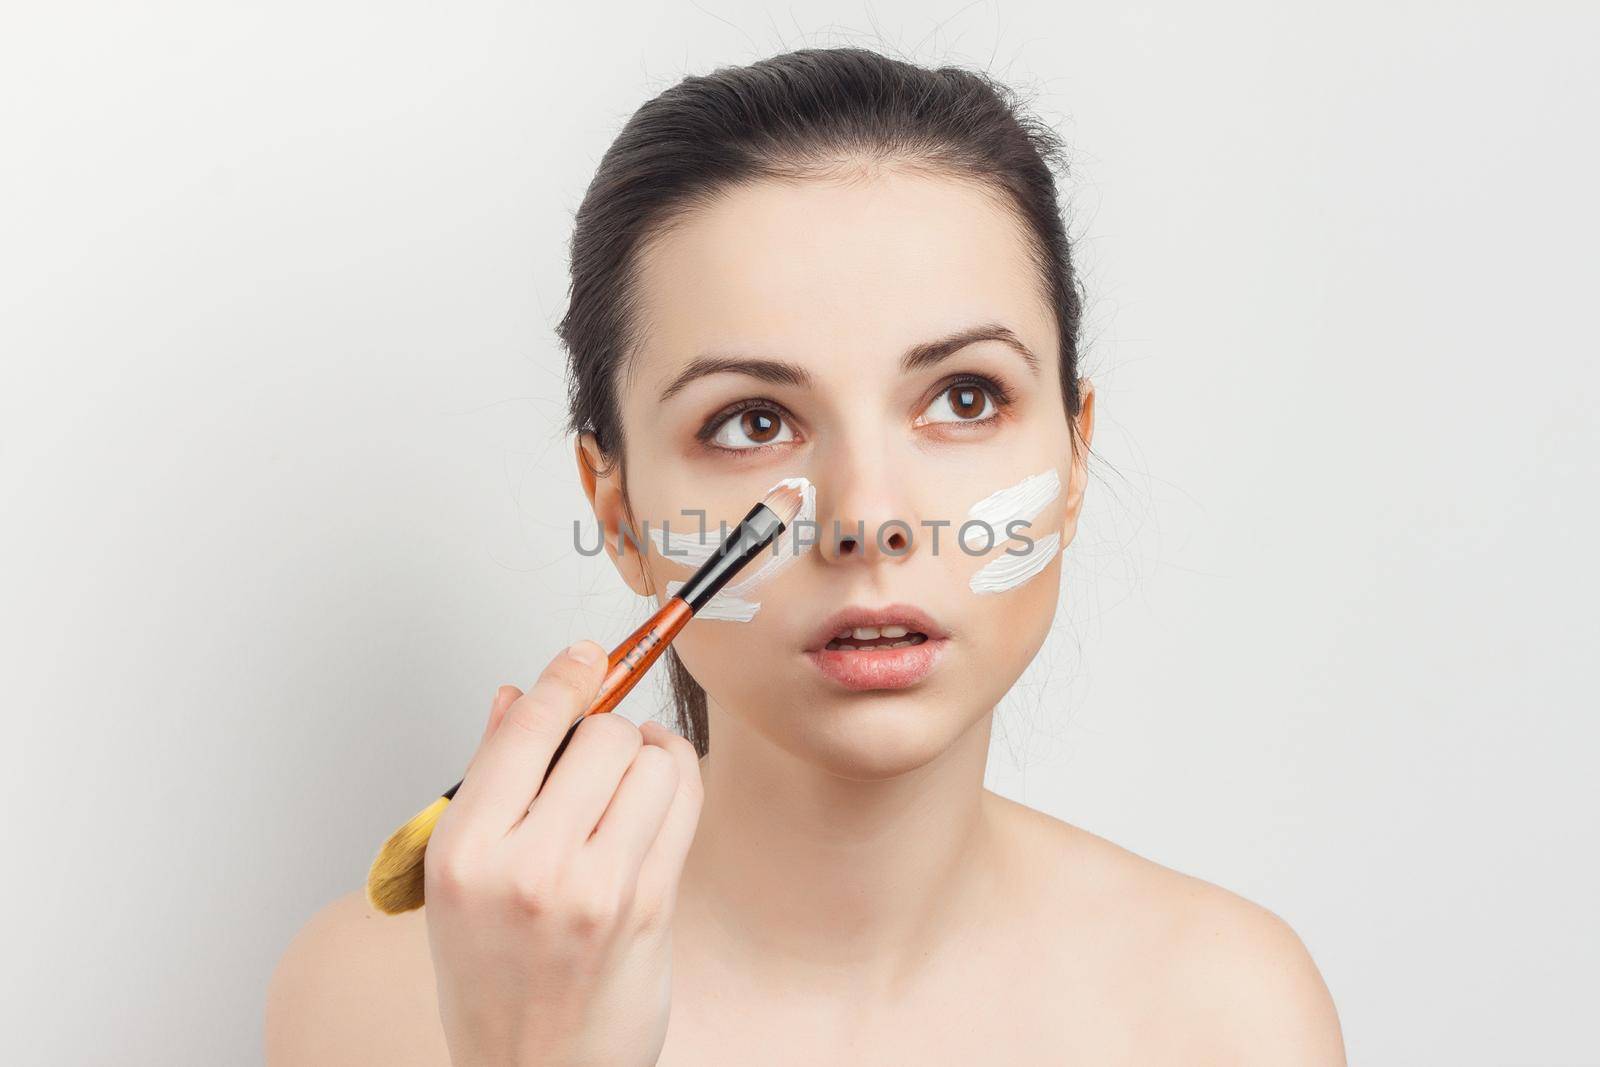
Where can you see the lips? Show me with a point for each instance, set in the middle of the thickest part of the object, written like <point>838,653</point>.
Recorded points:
<point>890,647</point>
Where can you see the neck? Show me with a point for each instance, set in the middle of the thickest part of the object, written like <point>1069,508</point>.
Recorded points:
<point>814,879</point>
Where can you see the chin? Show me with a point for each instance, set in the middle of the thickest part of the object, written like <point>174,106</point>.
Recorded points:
<point>870,737</point>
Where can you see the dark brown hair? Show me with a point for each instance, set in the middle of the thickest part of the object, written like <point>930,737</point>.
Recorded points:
<point>801,115</point>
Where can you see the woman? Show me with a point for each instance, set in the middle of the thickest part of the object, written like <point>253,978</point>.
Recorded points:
<point>836,266</point>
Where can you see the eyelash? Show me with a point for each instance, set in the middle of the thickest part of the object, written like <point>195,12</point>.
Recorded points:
<point>709,430</point>
<point>1002,397</point>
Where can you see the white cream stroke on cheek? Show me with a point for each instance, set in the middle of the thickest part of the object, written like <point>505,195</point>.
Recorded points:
<point>1008,571</point>
<point>1021,502</point>
<point>734,603</point>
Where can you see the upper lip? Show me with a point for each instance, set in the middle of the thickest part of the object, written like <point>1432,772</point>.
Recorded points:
<point>848,618</point>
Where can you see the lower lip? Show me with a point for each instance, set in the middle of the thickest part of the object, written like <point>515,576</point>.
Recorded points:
<point>886,668</point>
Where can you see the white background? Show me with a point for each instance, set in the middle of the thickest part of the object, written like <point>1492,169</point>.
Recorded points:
<point>286,495</point>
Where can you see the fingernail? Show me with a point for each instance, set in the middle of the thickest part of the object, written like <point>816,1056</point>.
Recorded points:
<point>586,652</point>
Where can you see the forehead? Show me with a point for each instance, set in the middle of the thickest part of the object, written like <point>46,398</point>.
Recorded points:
<point>854,269</point>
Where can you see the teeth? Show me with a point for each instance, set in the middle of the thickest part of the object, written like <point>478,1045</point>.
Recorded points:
<point>839,644</point>
<point>865,633</point>
<point>893,631</point>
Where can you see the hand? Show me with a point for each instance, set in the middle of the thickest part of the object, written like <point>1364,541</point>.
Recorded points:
<point>550,925</point>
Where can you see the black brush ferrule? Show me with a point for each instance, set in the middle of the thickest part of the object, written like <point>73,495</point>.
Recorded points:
<point>752,535</point>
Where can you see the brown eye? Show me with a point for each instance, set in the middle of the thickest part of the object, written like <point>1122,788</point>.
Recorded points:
<point>752,428</point>
<point>967,400</point>
<point>759,426</point>
<point>962,402</point>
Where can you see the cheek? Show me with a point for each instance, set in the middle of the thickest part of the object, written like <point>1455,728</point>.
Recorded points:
<point>671,521</point>
<point>1017,622</point>
<point>1021,524</point>
<point>735,662</point>
<point>1009,599</point>
<point>700,539</point>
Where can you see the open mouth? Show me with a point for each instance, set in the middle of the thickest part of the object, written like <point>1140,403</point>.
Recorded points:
<point>867,638</point>
<point>894,646</point>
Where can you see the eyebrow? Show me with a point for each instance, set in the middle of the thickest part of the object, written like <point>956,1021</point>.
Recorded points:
<point>768,370</point>
<point>917,357</point>
<point>931,352</point>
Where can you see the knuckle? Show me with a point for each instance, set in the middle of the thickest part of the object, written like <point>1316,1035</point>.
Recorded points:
<point>684,748</point>
<point>530,717</point>
<point>534,892</point>
<point>656,760</point>
<point>566,683</point>
<point>648,913</point>
<point>592,918</point>
<point>689,781</point>
<point>448,874</point>
<point>599,904</point>
<point>612,730</point>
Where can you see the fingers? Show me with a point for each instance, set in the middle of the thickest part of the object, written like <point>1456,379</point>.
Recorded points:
<point>630,823</point>
<point>583,782</point>
<point>503,699</point>
<point>506,771</point>
<point>663,862</point>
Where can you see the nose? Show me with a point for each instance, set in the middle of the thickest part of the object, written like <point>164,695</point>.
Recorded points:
<point>864,513</point>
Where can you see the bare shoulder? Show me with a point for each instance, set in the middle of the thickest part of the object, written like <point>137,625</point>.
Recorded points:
<point>355,986</point>
<point>1229,977</point>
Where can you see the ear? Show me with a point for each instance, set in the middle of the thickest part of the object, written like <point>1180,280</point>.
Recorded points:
<point>1080,461</point>
<point>603,485</point>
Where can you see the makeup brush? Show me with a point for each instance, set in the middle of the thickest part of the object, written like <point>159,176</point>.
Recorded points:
<point>394,884</point>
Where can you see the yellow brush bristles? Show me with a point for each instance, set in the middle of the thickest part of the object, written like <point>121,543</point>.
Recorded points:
<point>394,884</point>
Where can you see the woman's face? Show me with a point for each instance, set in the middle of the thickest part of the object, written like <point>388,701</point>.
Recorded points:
<point>820,290</point>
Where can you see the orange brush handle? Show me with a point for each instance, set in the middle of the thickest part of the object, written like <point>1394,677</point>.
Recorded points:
<point>632,659</point>
<point>629,662</point>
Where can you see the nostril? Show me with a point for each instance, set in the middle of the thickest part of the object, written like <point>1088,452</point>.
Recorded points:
<point>897,543</point>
